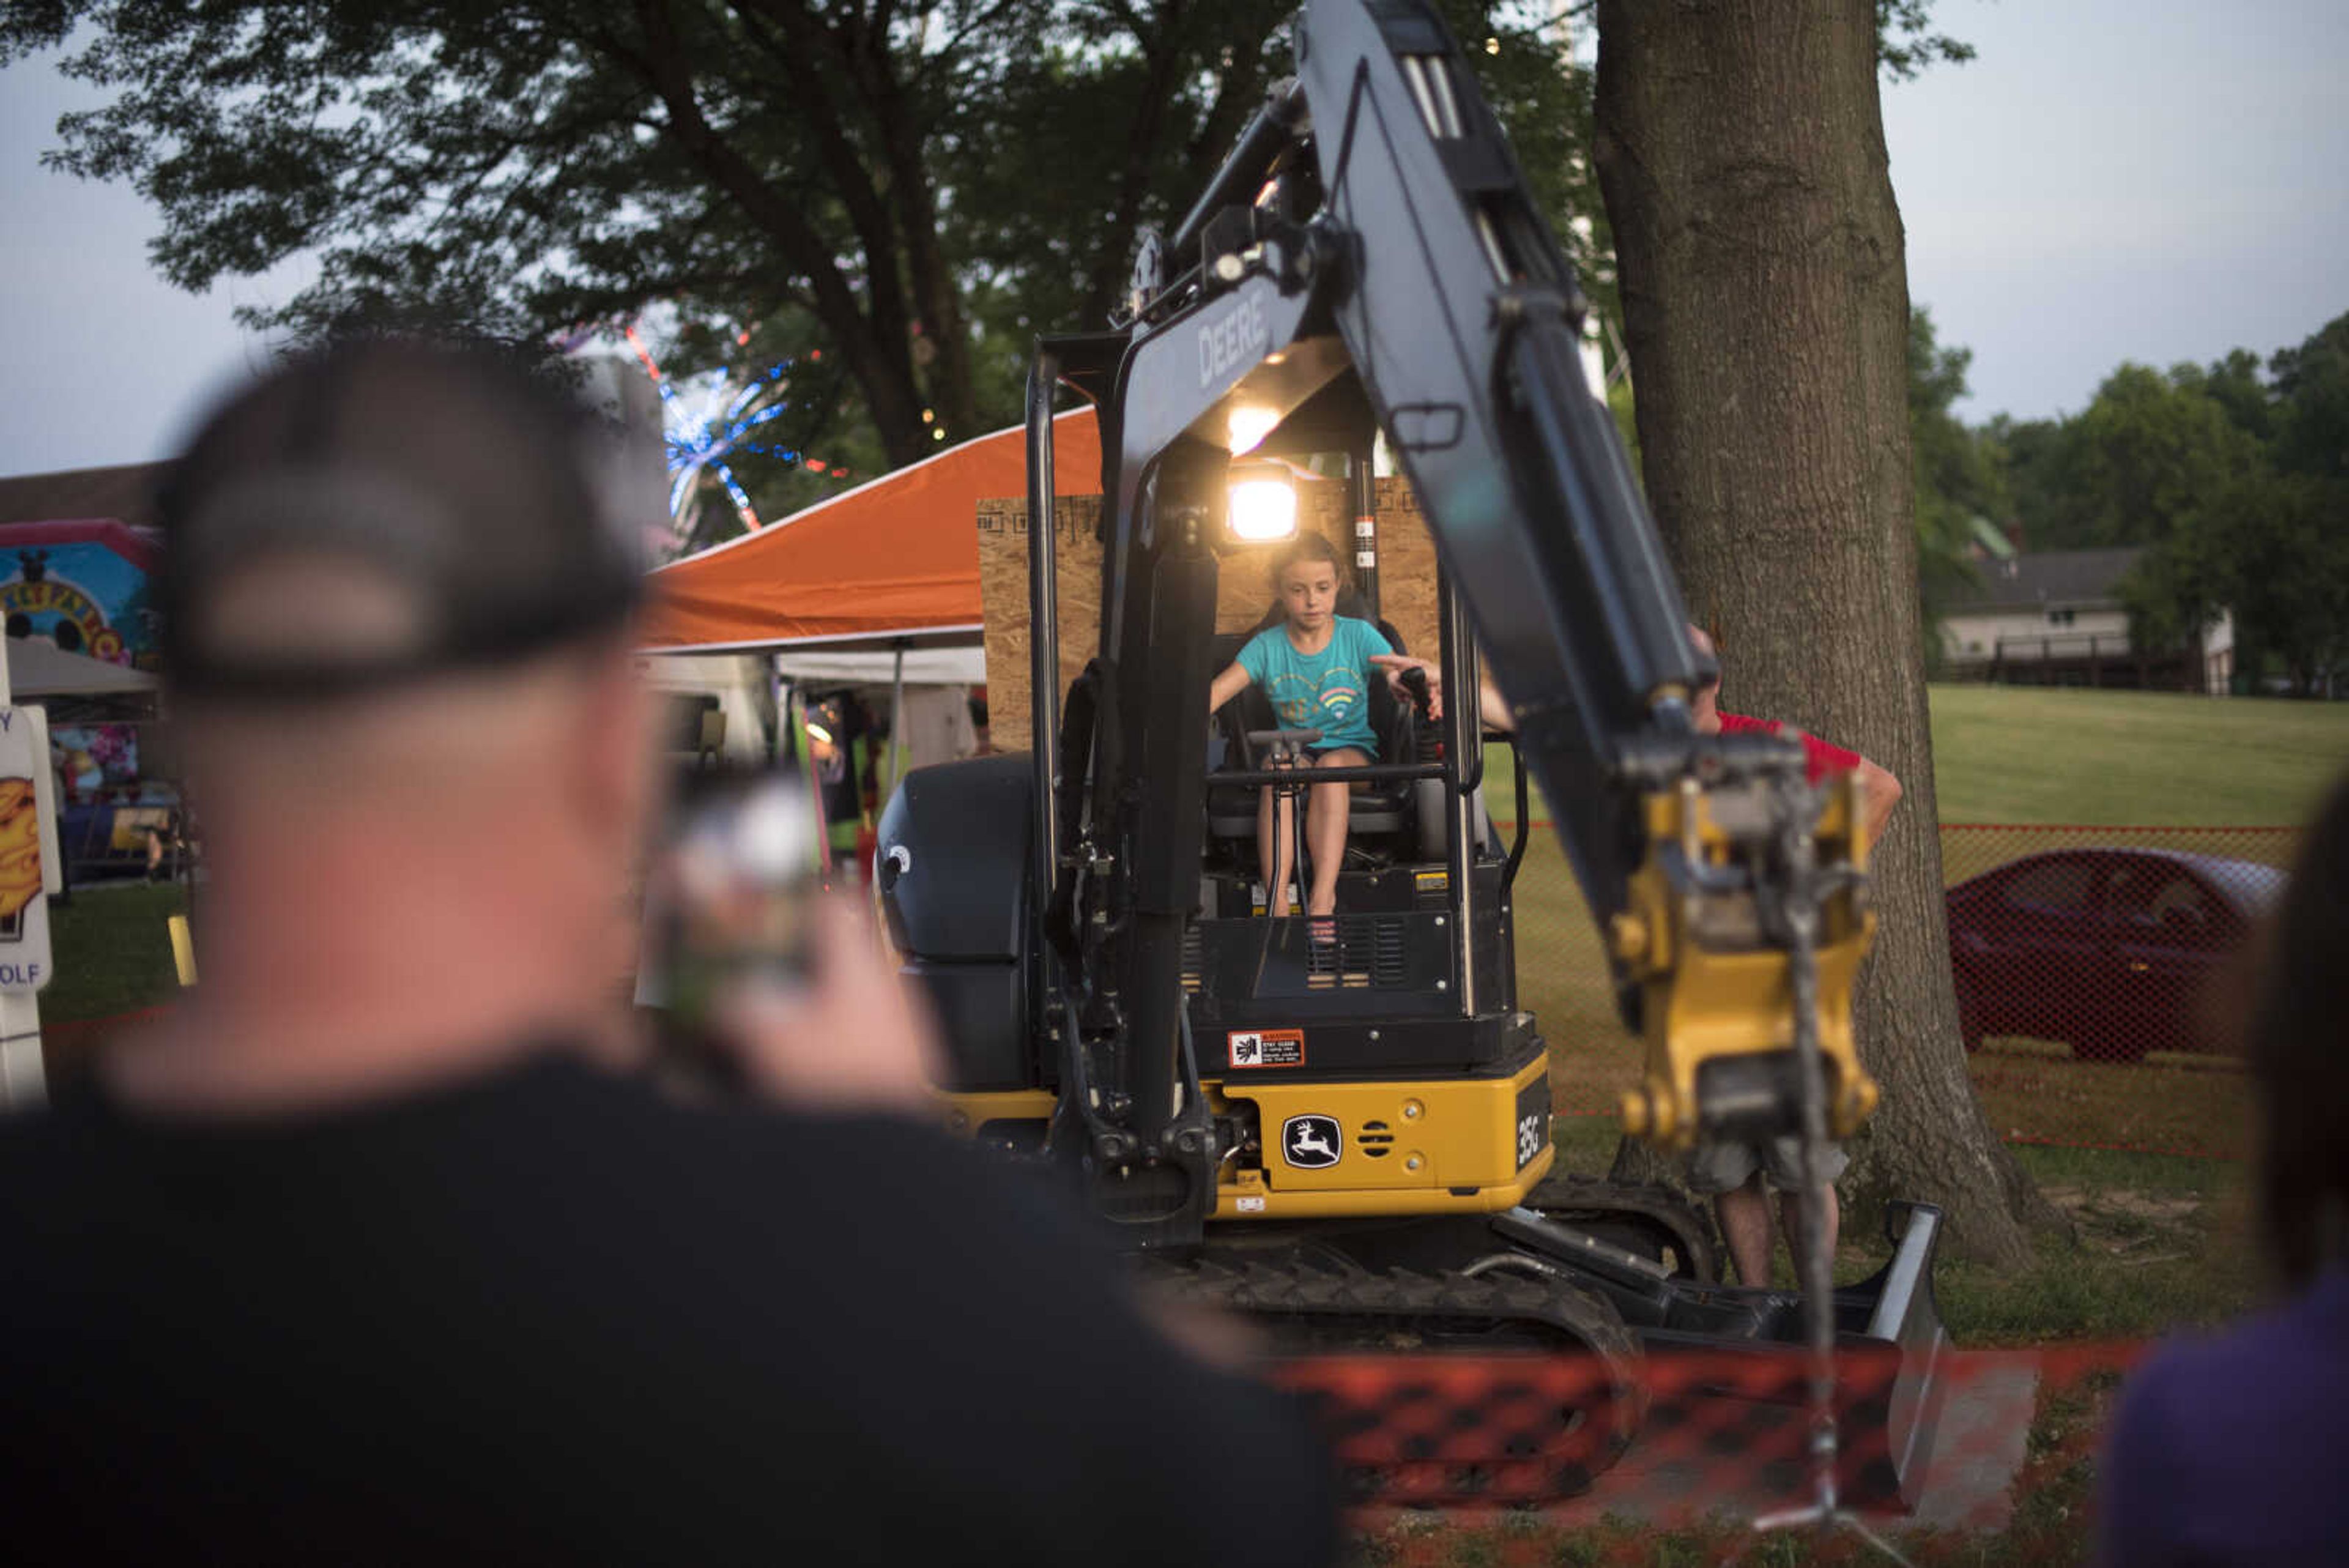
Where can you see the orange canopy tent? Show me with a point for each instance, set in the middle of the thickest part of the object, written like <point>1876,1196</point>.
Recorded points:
<point>895,559</point>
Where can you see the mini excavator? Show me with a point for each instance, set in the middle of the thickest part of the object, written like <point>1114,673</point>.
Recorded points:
<point>1342,1128</point>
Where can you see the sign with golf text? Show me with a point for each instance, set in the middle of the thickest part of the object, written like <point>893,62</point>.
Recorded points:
<point>28,848</point>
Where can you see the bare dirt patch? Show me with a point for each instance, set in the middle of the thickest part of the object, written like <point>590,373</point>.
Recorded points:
<point>2135,1229</point>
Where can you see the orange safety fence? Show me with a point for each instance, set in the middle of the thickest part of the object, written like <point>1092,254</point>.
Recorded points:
<point>1699,1438</point>
<point>65,1042</point>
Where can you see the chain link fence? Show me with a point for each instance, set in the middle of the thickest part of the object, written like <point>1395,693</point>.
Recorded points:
<point>2097,972</point>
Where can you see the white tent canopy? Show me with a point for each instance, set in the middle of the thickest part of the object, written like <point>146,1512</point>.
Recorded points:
<point>928,711</point>
<point>924,666</point>
<point>928,707</point>
<point>39,668</point>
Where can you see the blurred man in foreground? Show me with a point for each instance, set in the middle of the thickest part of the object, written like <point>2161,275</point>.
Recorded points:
<point>384,1251</point>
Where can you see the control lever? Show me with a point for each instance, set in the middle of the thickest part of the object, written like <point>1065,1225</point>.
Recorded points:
<point>1414,686</point>
<point>1426,739</point>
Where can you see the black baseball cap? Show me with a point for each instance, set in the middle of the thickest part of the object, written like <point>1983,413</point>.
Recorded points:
<point>497,514</point>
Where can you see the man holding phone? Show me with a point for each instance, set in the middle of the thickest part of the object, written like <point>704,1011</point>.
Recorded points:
<point>385,1248</point>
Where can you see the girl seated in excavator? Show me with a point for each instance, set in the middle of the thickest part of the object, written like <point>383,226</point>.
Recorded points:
<point>1315,667</point>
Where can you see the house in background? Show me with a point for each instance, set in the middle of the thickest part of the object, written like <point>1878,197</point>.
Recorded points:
<point>2054,618</point>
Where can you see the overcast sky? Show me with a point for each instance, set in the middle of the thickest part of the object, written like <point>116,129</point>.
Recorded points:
<point>2147,179</point>
<point>2151,180</point>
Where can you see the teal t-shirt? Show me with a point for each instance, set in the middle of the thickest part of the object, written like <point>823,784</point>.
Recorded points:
<point>1329,690</point>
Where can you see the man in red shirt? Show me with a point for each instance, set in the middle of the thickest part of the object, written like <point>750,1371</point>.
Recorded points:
<point>1738,1177</point>
<point>1880,792</point>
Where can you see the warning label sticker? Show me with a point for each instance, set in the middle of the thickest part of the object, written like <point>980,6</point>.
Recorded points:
<point>1268,1047</point>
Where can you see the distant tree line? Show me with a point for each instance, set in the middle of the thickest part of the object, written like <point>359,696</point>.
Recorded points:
<point>2234,477</point>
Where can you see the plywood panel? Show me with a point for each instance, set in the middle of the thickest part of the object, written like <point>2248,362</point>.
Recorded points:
<point>1003,600</point>
<point>1407,596</point>
<point>1406,586</point>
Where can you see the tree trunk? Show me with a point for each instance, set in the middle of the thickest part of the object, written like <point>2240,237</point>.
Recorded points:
<point>1740,152</point>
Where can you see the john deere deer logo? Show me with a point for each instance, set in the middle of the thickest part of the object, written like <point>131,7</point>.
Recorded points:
<point>1310,1143</point>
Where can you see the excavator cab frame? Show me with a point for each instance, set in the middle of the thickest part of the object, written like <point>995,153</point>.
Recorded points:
<point>1390,1036</point>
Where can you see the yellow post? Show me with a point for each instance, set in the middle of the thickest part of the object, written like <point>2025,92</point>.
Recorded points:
<point>183,949</point>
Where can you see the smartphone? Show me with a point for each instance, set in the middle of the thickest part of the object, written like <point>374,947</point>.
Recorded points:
<point>729,905</point>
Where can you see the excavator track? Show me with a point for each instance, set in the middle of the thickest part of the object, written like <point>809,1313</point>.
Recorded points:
<point>1399,1442</point>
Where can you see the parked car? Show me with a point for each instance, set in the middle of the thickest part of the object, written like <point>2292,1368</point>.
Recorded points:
<point>2107,950</point>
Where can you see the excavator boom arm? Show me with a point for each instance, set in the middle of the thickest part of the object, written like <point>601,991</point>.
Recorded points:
<point>1464,323</point>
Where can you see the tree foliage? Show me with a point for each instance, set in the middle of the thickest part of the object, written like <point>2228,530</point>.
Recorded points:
<point>2311,399</point>
<point>895,195</point>
<point>2268,536</point>
<point>2147,458</point>
<point>1905,43</point>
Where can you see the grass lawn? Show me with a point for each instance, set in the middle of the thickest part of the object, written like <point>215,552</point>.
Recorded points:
<point>2004,753</point>
<point>112,949</point>
<point>2161,1243</point>
<point>2024,755</point>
